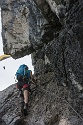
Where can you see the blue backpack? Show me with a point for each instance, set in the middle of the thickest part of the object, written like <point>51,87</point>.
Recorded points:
<point>22,70</point>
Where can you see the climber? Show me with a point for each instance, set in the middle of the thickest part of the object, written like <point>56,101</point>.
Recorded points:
<point>25,78</point>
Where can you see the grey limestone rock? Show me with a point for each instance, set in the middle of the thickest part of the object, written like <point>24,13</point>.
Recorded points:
<point>52,32</point>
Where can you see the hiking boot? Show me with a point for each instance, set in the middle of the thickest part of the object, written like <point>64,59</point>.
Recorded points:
<point>25,109</point>
<point>25,106</point>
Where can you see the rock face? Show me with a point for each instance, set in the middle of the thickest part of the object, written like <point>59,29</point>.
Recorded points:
<point>49,104</point>
<point>50,30</point>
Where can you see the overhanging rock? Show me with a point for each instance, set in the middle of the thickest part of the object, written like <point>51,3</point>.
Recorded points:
<point>24,26</point>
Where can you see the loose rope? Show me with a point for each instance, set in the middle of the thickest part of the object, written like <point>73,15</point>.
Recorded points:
<point>47,92</point>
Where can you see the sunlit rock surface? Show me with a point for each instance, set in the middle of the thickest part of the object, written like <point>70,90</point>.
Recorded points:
<point>52,31</point>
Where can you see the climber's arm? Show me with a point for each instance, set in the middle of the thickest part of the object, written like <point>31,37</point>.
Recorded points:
<point>33,79</point>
